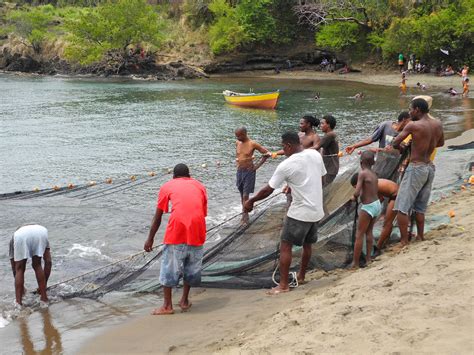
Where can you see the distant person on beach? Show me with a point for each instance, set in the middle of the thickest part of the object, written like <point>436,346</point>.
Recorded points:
<point>345,69</point>
<point>246,169</point>
<point>30,242</point>
<point>464,73</point>
<point>401,62</point>
<point>184,236</point>
<point>465,89</point>
<point>384,133</point>
<point>367,189</point>
<point>403,87</point>
<point>330,148</point>
<point>452,92</point>
<point>302,171</point>
<point>387,189</point>
<point>415,187</point>
<point>317,96</point>
<point>421,86</point>
<point>359,96</point>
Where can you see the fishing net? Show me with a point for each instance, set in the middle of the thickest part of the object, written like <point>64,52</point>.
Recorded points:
<point>245,256</point>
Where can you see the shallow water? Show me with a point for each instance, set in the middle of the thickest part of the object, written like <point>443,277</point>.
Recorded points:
<point>56,131</point>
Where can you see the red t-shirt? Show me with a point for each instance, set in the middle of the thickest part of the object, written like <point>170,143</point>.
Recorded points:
<point>187,223</point>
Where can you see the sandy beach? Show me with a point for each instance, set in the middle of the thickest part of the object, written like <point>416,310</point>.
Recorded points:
<point>366,75</point>
<point>419,299</point>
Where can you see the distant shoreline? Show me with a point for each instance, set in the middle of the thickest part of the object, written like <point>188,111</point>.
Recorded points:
<point>369,76</point>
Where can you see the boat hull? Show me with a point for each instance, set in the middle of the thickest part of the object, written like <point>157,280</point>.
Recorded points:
<point>264,101</point>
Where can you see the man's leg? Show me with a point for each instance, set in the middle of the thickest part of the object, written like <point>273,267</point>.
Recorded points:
<point>245,215</point>
<point>184,303</point>
<point>402,220</point>
<point>285,262</point>
<point>20,267</point>
<point>48,264</point>
<point>420,225</point>
<point>36,262</point>
<point>305,257</point>
<point>387,225</point>
<point>364,221</point>
<point>370,241</point>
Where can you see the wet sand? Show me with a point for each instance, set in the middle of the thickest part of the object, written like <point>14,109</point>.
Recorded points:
<point>367,76</point>
<point>420,298</point>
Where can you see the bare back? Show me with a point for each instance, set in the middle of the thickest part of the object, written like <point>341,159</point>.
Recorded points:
<point>369,186</point>
<point>427,134</point>
<point>387,188</point>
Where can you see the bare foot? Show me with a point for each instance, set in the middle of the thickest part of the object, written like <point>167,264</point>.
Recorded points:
<point>162,311</point>
<point>301,280</point>
<point>398,248</point>
<point>277,290</point>
<point>185,306</point>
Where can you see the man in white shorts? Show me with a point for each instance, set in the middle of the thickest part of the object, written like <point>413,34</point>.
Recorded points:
<point>302,171</point>
<point>30,241</point>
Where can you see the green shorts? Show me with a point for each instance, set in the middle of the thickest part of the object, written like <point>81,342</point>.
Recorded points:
<point>299,232</point>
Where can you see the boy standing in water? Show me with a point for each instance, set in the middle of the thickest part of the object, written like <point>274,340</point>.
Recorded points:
<point>246,169</point>
<point>371,208</point>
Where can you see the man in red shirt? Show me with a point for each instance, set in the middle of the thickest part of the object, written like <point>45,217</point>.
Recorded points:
<point>184,236</point>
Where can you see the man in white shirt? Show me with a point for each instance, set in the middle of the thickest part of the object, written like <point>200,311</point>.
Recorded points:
<point>302,172</point>
<point>30,242</point>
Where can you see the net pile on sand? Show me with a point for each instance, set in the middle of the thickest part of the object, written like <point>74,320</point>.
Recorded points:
<point>239,256</point>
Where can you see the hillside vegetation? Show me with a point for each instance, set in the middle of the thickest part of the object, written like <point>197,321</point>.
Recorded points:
<point>196,31</point>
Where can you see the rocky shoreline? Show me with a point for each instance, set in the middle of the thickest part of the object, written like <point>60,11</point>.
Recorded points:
<point>147,67</point>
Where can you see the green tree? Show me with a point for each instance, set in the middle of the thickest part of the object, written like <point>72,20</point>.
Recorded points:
<point>225,34</point>
<point>113,25</point>
<point>32,24</point>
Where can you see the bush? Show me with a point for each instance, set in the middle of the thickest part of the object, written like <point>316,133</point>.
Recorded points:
<point>114,25</point>
<point>32,24</point>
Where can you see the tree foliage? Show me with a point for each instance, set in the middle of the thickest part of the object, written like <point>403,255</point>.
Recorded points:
<point>451,28</point>
<point>32,25</point>
<point>248,22</point>
<point>113,25</point>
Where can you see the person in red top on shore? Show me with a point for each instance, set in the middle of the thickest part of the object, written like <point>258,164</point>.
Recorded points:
<point>184,236</point>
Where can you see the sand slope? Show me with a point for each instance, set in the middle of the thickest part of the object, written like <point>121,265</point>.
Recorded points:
<point>420,300</point>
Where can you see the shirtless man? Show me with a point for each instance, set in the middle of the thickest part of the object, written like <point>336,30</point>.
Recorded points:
<point>415,188</point>
<point>386,189</point>
<point>367,189</point>
<point>308,137</point>
<point>246,169</point>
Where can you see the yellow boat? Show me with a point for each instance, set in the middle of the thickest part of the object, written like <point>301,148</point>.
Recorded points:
<point>266,101</point>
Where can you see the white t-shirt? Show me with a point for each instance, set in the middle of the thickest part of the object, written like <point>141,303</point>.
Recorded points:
<point>302,172</point>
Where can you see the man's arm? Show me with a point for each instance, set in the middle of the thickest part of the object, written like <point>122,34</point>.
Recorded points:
<point>441,138</point>
<point>155,225</point>
<point>263,193</point>
<point>265,155</point>
<point>358,189</point>
<point>350,149</point>
<point>402,135</point>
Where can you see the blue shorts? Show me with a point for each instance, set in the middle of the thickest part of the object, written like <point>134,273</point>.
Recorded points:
<point>246,181</point>
<point>415,188</point>
<point>181,260</point>
<point>373,209</point>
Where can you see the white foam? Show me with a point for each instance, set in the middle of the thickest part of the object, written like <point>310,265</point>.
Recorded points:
<point>88,252</point>
<point>3,322</point>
